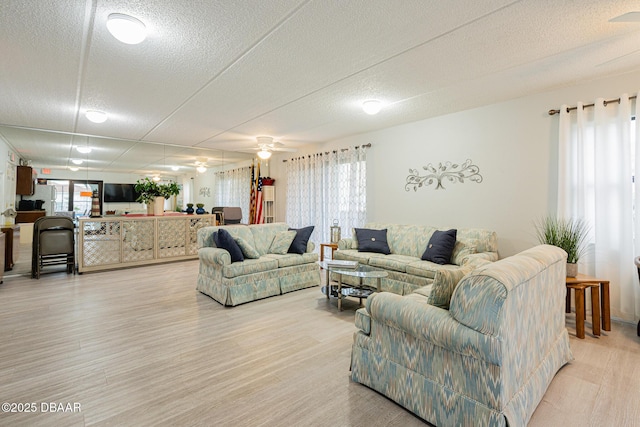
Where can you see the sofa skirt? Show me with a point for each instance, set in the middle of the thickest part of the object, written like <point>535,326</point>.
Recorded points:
<point>251,287</point>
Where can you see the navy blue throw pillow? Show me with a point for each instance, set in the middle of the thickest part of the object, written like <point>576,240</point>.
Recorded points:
<point>223,240</point>
<point>299,244</point>
<point>440,247</point>
<point>372,241</point>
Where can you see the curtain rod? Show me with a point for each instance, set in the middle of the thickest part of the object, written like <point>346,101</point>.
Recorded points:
<point>609,101</point>
<point>342,150</point>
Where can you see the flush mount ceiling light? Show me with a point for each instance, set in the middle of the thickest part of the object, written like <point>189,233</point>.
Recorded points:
<point>264,154</point>
<point>83,149</point>
<point>76,161</point>
<point>96,116</point>
<point>372,106</point>
<point>126,28</point>
<point>73,169</point>
<point>156,178</point>
<point>175,168</point>
<point>201,169</point>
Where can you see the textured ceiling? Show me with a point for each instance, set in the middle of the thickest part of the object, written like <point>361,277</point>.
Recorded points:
<point>215,75</point>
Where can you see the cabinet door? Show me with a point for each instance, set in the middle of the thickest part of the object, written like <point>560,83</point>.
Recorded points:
<point>25,184</point>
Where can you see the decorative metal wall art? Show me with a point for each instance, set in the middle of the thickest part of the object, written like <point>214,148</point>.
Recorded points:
<point>451,172</point>
<point>205,191</point>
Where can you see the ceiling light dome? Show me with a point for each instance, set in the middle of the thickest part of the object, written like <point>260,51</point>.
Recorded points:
<point>83,149</point>
<point>201,169</point>
<point>96,116</point>
<point>126,28</point>
<point>73,169</point>
<point>264,154</point>
<point>372,106</point>
<point>76,161</point>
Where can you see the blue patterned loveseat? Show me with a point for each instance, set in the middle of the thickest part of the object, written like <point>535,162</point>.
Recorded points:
<point>487,361</point>
<point>271,274</point>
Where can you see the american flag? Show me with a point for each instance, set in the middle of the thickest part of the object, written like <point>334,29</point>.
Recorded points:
<point>259,213</point>
<point>252,202</point>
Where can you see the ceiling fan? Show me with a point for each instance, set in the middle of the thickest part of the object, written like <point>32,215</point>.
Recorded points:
<point>266,146</point>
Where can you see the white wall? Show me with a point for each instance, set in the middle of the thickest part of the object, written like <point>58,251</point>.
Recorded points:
<point>8,163</point>
<point>514,143</point>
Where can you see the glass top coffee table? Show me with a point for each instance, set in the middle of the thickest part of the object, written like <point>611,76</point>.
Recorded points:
<point>360,290</point>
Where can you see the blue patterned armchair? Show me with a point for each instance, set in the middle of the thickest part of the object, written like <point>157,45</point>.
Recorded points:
<point>488,360</point>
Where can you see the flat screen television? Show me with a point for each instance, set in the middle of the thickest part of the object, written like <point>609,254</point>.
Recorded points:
<point>114,193</point>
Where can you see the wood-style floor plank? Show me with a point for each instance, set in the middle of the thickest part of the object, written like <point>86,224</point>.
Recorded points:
<point>141,347</point>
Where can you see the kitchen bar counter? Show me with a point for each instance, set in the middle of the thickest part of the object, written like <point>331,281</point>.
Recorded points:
<point>29,216</point>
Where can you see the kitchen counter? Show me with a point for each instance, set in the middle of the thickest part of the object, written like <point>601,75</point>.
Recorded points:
<point>29,216</point>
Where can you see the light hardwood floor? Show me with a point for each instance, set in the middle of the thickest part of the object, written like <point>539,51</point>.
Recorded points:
<point>142,347</point>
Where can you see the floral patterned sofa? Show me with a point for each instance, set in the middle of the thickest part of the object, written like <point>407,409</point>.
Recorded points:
<point>486,361</point>
<point>408,273</point>
<point>268,274</point>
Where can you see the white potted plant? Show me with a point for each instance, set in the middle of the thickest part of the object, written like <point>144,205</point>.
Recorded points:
<point>153,194</point>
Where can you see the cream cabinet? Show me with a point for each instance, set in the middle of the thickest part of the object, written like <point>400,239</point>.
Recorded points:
<point>269,203</point>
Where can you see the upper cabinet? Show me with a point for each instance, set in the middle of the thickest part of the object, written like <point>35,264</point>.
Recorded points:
<point>25,181</point>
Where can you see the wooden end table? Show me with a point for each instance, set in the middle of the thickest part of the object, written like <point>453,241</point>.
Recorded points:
<point>579,284</point>
<point>333,246</point>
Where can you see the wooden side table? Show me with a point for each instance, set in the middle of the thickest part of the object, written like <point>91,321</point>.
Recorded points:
<point>590,282</point>
<point>12,245</point>
<point>579,289</point>
<point>333,246</point>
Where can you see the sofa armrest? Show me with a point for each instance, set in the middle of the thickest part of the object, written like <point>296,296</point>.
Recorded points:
<point>214,256</point>
<point>346,243</point>
<point>310,246</point>
<point>432,324</point>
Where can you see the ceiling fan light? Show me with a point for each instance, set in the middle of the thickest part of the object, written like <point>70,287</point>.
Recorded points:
<point>372,106</point>
<point>126,28</point>
<point>76,161</point>
<point>201,169</point>
<point>96,116</point>
<point>83,149</point>
<point>264,154</point>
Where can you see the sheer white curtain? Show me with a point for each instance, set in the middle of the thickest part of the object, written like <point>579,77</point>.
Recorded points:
<point>233,188</point>
<point>325,187</point>
<point>597,159</point>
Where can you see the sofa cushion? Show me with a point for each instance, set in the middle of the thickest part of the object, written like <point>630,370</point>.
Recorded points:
<point>372,240</point>
<point>354,255</point>
<point>249,266</point>
<point>247,249</point>
<point>440,247</point>
<point>392,262</point>
<point>281,242</point>
<point>428,269</point>
<point>288,260</point>
<point>463,249</point>
<point>299,244</point>
<point>223,240</point>
<point>422,293</point>
<point>263,235</point>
